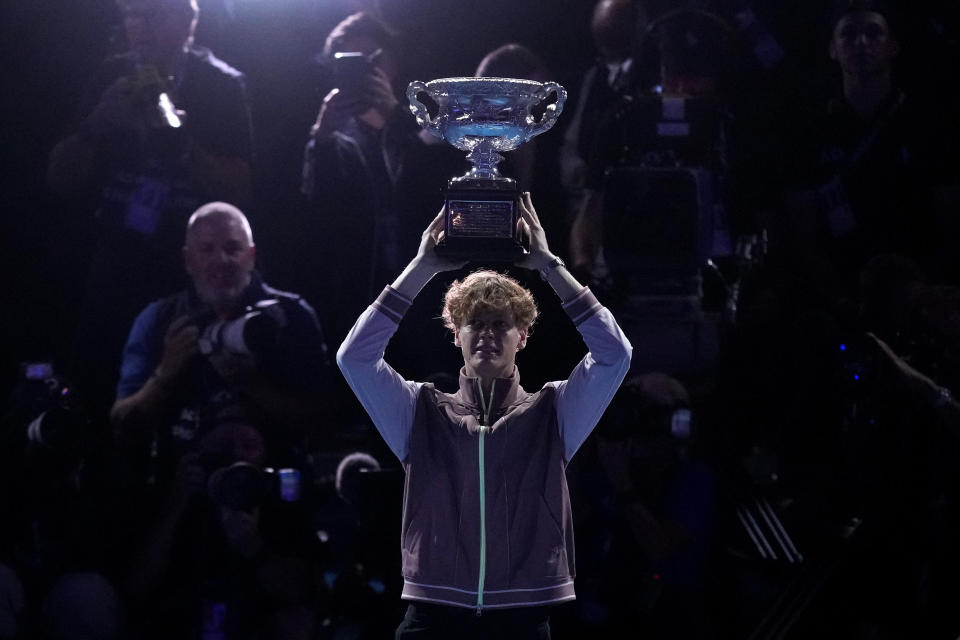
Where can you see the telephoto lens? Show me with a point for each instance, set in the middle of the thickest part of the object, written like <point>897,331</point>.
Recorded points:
<point>240,486</point>
<point>64,430</point>
<point>254,332</point>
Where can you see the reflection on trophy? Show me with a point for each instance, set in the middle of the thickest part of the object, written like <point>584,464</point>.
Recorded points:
<point>484,116</point>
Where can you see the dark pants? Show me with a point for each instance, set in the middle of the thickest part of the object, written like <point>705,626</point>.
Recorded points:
<point>430,621</point>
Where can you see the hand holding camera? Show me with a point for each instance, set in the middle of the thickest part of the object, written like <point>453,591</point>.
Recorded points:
<point>138,102</point>
<point>180,346</point>
<point>378,93</point>
<point>231,346</point>
<point>336,110</point>
<point>360,86</point>
<point>117,109</point>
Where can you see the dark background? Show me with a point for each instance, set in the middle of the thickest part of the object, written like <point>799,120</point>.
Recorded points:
<point>51,47</point>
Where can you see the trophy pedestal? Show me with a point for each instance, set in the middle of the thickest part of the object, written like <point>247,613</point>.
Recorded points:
<point>481,221</point>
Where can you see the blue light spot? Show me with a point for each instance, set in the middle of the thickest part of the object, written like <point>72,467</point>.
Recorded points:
<point>330,578</point>
<point>843,347</point>
<point>856,376</point>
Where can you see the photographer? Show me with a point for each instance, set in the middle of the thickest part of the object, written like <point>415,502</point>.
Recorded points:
<point>686,122</point>
<point>649,528</point>
<point>354,162</point>
<point>163,128</point>
<point>57,507</point>
<point>227,341</point>
<point>229,553</point>
<point>871,168</point>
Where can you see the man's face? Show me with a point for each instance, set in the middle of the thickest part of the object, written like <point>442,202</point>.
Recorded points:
<point>157,29</point>
<point>219,258</point>
<point>862,43</point>
<point>489,342</point>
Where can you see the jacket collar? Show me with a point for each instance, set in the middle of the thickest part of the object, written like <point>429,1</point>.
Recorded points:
<point>506,391</point>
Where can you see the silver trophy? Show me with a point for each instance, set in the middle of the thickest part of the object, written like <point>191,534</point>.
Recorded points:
<point>484,116</point>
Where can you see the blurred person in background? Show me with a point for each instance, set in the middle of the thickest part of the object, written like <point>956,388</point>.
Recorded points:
<point>615,28</point>
<point>681,121</point>
<point>59,509</point>
<point>229,554</point>
<point>648,533</point>
<point>164,128</point>
<point>656,215</point>
<point>357,151</point>
<point>229,340</point>
<point>869,171</point>
<point>534,164</point>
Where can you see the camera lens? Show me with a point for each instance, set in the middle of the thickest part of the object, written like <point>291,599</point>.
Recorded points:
<point>239,486</point>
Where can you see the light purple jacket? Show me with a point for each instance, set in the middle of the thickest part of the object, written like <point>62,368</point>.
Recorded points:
<point>486,515</point>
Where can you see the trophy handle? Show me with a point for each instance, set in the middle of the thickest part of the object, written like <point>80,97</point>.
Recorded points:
<point>553,110</point>
<point>419,110</point>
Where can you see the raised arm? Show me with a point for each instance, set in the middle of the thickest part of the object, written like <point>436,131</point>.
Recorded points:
<point>582,398</point>
<point>387,397</point>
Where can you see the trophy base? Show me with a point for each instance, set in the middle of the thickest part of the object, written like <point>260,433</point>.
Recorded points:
<point>481,221</point>
<point>486,252</point>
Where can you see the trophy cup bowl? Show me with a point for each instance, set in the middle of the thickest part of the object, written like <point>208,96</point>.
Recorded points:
<point>484,116</point>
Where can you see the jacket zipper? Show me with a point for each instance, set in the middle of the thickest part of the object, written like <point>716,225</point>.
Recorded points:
<point>484,427</point>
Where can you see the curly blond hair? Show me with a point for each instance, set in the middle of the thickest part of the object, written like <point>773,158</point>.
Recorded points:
<point>488,290</point>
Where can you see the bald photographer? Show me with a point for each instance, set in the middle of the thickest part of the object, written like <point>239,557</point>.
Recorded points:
<point>229,342</point>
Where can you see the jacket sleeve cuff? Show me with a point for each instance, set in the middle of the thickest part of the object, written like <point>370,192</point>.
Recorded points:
<point>391,304</point>
<point>582,306</point>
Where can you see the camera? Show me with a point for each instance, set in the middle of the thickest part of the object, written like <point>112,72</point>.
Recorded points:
<point>253,333</point>
<point>350,68</point>
<point>629,416</point>
<point>54,418</point>
<point>62,429</point>
<point>240,486</point>
<point>244,486</point>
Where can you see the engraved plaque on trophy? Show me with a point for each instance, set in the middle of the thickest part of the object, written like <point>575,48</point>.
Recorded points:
<point>484,116</point>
